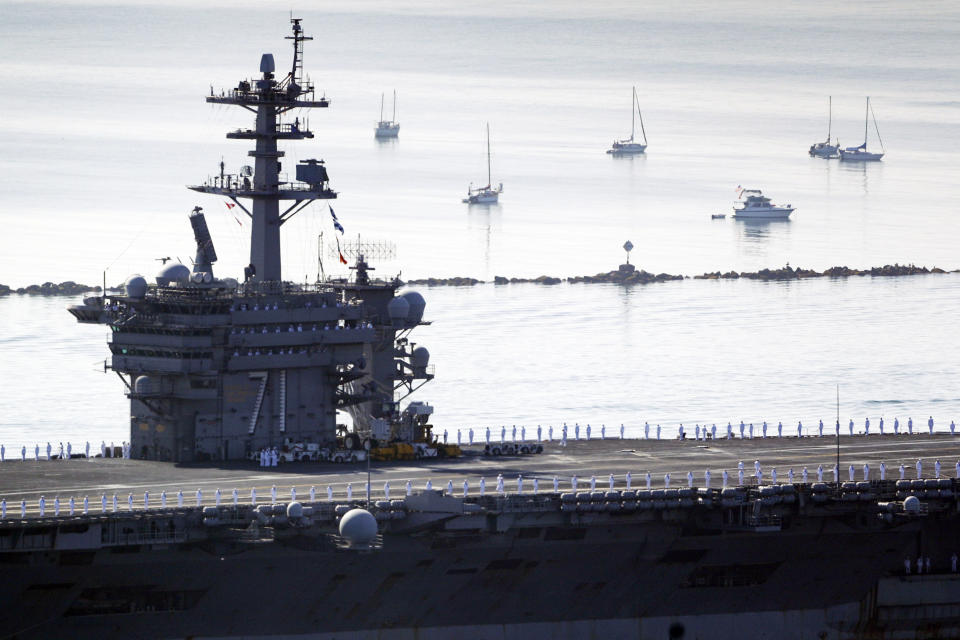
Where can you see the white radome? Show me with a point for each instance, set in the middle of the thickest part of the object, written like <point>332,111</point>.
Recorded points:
<point>358,527</point>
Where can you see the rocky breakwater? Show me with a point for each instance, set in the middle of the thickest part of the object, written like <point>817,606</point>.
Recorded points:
<point>67,288</point>
<point>795,273</point>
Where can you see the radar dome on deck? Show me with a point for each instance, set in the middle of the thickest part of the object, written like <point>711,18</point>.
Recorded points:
<point>911,504</point>
<point>417,305</point>
<point>358,527</point>
<point>294,510</point>
<point>173,274</point>
<point>136,286</point>
<point>398,308</point>
<point>420,357</point>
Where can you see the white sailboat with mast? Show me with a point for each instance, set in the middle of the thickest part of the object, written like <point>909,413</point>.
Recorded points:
<point>826,149</point>
<point>388,128</point>
<point>628,146</point>
<point>860,154</point>
<point>487,194</point>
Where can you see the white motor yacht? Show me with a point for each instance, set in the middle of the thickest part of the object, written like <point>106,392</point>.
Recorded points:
<point>753,204</point>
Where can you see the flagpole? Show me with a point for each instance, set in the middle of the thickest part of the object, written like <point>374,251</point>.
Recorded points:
<point>321,276</point>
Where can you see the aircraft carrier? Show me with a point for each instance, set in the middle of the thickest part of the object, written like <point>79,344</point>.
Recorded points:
<point>606,538</point>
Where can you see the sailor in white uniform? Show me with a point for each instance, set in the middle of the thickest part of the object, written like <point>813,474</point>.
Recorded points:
<point>199,497</point>
<point>519,484</point>
<point>903,472</point>
<point>896,426</point>
<point>646,430</point>
<point>751,430</point>
<point>779,429</point>
<point>500,483</point>
<point>726,478</point>
<point>573,483</point>
<point>820,473</point>
<point>804,474</point>
<point>503,434</point>
<point>588,432</point>
<point>852,473</point>
<point>648,480</point>
<point>740,477</point>
<point>488,435</point>
<point>556,484</point>
<point>236,497</point>
<point>930,424</point>
<point>330,491</point>
<point>910,425</point>
<point>576,431</point>
<point>146,500</point>
<point>629,479</point>
<point>883,471</point>
<point>350,490</point>
<point>603,432</point>
<point>729,431</point>
<point>799,429</point>
<point>764,428</point>
<point>851,426</point>
<point>470,436</point>
<point>821,427</point>
<point>43,505</point>
<point>936,469</point>
<point>706,478</point>
<point>621,430</point>
<point>611,482</point>
<point>386,490</point>
<point>666,480</point>
<point>449,487</point>
<point>536,486</point>
<point>483,486</point>
<point>713,432</point>
<point>866,427</point>
<point>866,471</point>
<point>741,429</point>
<point>919,468</point>
<point>773,475</point>
<point>180,498</point>
<point>658,432</point>
<point>689,479</point>
<point>593,483</point>
<point>466,488</point>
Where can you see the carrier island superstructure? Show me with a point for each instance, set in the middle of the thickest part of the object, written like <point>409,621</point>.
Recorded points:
<point>216,368</point>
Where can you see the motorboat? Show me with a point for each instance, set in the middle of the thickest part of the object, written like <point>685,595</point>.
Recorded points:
<point>754,205</point>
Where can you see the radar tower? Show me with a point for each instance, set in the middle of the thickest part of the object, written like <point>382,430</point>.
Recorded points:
<point>269,99</point>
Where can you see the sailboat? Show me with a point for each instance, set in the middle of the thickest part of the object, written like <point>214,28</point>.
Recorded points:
<point>388,128</point>
<point>860,154</point>
<point>825,149</point>
<point>628,146</point>
<point>487,194</point>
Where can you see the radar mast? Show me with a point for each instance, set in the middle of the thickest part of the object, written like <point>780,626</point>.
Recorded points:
<point>269,99</point>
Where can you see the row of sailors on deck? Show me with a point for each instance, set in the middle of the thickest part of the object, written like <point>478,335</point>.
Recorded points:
<point>66,452</point>
<point>276,307</point>
<point>270,456</point>
<point>700,433</point>
<point>747,431</point>
<point>299,328</point>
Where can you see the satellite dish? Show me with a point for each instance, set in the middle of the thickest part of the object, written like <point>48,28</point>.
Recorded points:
<point>246,170</point>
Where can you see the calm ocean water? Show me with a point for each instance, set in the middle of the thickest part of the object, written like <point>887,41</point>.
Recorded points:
<point>105,124</point>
